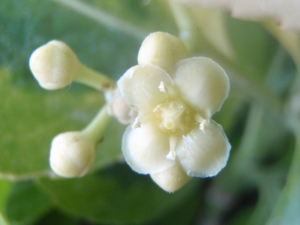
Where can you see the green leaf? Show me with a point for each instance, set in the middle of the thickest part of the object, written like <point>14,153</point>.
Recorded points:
<point>2,220</point>
<point>288,205</point>
<point>253,46</point>
<point>30,24</point>
<point>115,196</point>
<point>26,203</point>
<point>31,117</point>
<point>151,16</point>
<point>57,218</point>
<point>5,187</point>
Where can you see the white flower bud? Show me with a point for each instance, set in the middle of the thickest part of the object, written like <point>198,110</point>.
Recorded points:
<point>171,179</point>
<point>72,154</point>
<point>119,108</point>
<point>54,65</point>
<point>162,50</point>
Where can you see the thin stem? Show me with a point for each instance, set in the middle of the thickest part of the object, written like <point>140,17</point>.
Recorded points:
<point>104,18</point>
<point>94,79</point>
<point>187,29</point>
<point>287,210</point>
<point>96,128</point>
<point>289,40</point>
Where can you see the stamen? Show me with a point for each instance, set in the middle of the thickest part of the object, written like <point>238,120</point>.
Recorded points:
<point>162,87</point>
<point>136,124</point>
<point>203,125</point>
<point>172,154</point>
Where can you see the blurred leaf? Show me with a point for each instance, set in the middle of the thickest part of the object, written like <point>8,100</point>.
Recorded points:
<point>253,46</point>
<point>57,218</point>
<point>150,15</point>
<point>115,196</point>
<point>32,117</point>
<point>26,203</point>
<point>183,214</point>
<point>2,220</point>
<point>5,187</point>
<point>288,206</point>
<point>30,23</point>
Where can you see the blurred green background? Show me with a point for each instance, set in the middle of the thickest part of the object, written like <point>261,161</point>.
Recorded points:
<point>261,183</point>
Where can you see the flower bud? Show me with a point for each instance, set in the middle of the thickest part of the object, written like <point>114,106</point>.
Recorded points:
<point>72,154</point>
<point>162,50</point>
<point>171,179</point>
<point>54,65</point>
<point>118,108</point>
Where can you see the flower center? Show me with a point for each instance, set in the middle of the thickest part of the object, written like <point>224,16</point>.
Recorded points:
<point>175,116</point>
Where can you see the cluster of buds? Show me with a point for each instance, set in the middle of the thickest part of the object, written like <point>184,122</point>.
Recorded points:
<point>173,138</point>
<point>56,66</point>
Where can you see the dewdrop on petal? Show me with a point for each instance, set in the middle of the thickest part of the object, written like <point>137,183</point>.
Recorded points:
<point>162,50</point>
<point>54,65</point>
<point>72,154</point>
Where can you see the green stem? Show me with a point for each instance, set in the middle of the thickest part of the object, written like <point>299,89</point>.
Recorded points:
<point>287,209</point>
<point>104,18</point>
<point>187,29</point>
<point>96,128</point>
<point>95,79</point>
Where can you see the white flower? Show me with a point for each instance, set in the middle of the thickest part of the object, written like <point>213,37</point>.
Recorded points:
<point>173,136</point>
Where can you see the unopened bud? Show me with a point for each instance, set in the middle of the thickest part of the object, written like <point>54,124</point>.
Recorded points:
<point>72,154</point>
<point>54,65</point>
<point>118,108</point>
<point>162,50</point>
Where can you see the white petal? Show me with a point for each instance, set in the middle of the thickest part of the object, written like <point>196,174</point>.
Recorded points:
<point>146,148</point>
<point>162,49</point>
<point>285,13</point>
<point>203,84</point>
<point>171,179</point>
<point>204,153</point>
<point>140,86</point>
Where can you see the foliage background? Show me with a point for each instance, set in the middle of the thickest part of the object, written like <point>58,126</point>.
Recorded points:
<point>260,185</point>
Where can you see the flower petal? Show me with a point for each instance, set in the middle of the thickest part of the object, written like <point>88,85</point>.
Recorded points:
<point>171,179</point>
<point>204,153</point>
<point>146,148</point>
<point>203,84</point>
<point>140,86</point>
